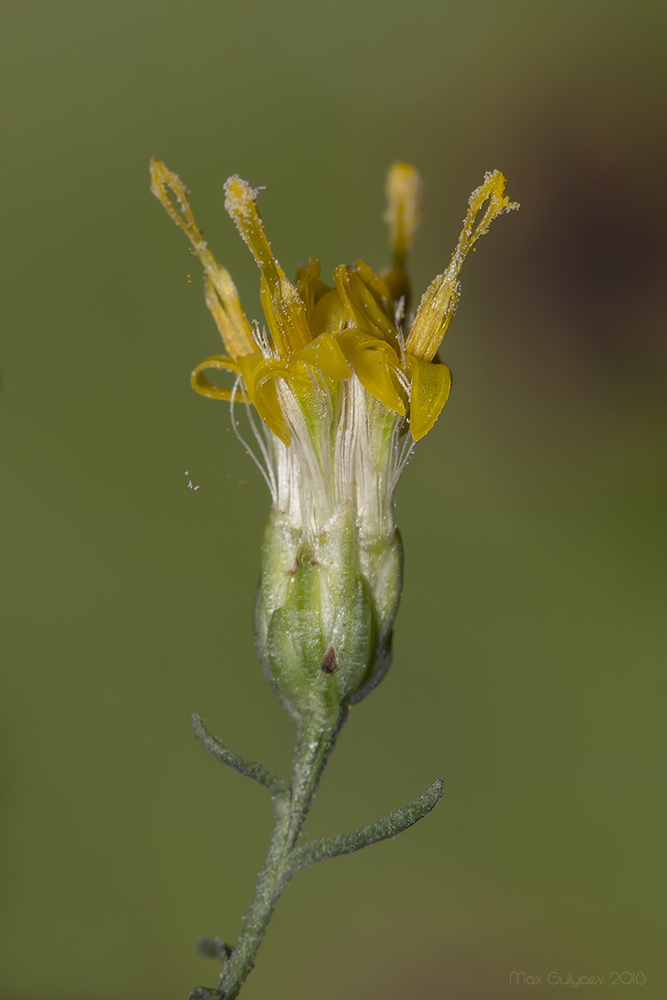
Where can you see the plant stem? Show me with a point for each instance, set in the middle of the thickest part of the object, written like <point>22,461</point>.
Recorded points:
<point>315,741</point>
<point>314,745</point>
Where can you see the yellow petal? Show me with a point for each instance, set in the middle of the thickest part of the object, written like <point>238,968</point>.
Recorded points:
<point>267,400</point>
<point>221,295</point>
<point>267,405</point>
<point>285,311</point>
<point>368,301</point>
<point>326,354</point>
<point>428,394</point>
<point>225,306</point>
<point>310,287</point>
<point>440,299</point>
<point>248,366</point>
<point>259,379</point>
<point>376,374</point>
<point>375,364</point>
<point>260,376</point>
<point>202,385</point>
<point>330,314</point>
<point>285,315</point>
<point>164,180</point>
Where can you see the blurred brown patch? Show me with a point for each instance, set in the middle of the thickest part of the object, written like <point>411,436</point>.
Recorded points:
<point>593,245</point>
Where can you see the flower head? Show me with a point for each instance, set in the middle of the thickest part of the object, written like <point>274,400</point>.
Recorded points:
<point>329,334</point>
<point>343,393</point>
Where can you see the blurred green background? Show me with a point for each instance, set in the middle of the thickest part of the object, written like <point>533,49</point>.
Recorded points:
<point>530,645</point>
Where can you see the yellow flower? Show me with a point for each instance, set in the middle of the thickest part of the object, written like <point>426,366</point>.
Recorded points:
<point>323,336</point>
<point>343,395</point>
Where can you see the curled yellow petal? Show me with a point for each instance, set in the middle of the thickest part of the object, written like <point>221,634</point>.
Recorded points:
<point>368,300</point>
<point>260,376</point>
<point>259,379</point>
<point>201,384</point>
<point>440,299</point>
<point>375,364</point>
<point>221,295</point>
<point>330,314</point>
<point>326,354</point>
<point>284,309</point>
<point>164,180</point>
<point>428,393</point>
<point>309,286</point>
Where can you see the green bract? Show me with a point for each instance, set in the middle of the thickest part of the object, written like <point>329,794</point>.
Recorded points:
<point>325,609</point>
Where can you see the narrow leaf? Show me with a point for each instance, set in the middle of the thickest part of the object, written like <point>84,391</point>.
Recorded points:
<point>251,769</point>
<point>390,826</point>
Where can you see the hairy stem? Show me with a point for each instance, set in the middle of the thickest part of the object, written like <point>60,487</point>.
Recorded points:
<point>315,741</point>
<point>314,745</point>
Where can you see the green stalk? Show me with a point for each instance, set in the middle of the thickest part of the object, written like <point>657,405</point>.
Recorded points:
<point>313,748</point>
<point>315,741</point>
